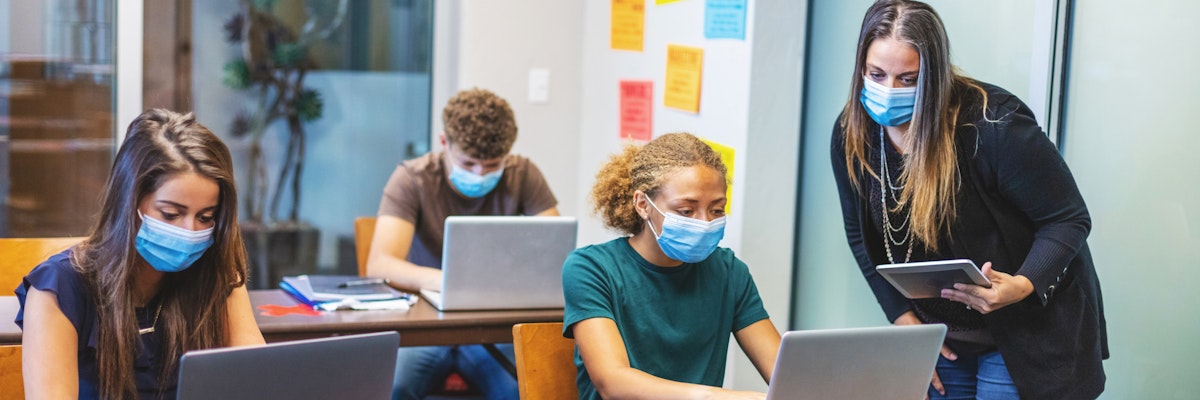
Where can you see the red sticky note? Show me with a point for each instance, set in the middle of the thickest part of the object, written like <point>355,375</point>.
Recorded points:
<point>273,310</point>
<point>637,108</point>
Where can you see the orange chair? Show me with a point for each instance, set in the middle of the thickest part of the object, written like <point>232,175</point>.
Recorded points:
<point>11,386</point>
<point>19,255</point>
<point>364,231</point>
<point>545,362</point>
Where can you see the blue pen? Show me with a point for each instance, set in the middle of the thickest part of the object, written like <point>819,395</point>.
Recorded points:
<point>363,282</point>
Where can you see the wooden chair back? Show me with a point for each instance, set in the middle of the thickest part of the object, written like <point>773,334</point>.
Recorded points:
<point>545,362</point>
<point>11,386</point>
<point>18,256</point>
<point>364,231</point>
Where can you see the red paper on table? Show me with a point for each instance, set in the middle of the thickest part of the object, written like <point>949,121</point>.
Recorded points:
<point>637,109</point>
<point>274,310</point>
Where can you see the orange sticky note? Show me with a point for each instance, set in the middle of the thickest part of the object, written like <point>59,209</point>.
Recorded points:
<point>682,85</point>
<point>637,108</point>
<point>628,24</point>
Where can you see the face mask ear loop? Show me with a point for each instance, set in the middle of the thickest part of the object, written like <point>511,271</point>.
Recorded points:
<point>656,235</point>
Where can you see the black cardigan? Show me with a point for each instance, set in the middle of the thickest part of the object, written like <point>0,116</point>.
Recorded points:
<point>1018,207</point>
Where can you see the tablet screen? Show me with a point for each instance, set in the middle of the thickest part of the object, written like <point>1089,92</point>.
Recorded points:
<point>927,279</point>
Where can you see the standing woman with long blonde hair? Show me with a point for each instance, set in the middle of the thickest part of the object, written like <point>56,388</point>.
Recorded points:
<point>933,165</point>
<point>162,272</point>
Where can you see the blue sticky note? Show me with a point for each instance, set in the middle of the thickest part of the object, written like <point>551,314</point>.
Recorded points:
<point>725,19</point>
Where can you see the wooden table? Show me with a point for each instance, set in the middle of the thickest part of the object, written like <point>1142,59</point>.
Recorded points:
<point>421,325</point>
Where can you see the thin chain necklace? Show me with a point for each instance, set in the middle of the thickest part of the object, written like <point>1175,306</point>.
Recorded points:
<point>144,331</point>
<point>889,232</point>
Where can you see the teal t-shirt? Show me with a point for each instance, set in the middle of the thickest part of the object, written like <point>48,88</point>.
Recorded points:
<point>675,321</point>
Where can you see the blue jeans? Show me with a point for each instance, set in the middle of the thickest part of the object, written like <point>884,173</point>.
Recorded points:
<point>982,377</point>
<point>418,369</point>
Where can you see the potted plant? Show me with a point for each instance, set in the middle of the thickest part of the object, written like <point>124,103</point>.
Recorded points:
<point>271,69</point>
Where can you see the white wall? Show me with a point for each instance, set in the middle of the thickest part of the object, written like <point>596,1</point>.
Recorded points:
<point>772,160</point>
<point>498,42</point>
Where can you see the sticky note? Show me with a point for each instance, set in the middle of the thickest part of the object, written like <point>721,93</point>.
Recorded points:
<point>727,154</point>
<point>725,19</point>
<point>628,24</point>
<point>637,109</point>
<point>682,84</point>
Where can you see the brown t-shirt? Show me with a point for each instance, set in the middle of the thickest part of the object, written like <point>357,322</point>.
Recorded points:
<point>420,192</point>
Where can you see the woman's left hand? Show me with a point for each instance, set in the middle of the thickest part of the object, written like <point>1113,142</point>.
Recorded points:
<point>1006,289</point>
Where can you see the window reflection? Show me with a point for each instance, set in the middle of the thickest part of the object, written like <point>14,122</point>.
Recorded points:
<point>56,110</point>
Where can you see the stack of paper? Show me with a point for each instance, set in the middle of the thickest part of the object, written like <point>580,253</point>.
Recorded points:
<point>337,292</point>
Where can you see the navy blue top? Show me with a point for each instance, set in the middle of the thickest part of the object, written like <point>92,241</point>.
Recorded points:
<point>57,276</point>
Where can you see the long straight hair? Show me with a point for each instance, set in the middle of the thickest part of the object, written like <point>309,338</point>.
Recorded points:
<point>930,176</point>
<point>159,145</point>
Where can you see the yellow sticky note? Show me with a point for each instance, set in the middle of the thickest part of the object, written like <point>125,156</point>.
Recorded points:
<point>664,1</point>
<point>682,85</point>
<point>628,24</point>
<point>726,153</point>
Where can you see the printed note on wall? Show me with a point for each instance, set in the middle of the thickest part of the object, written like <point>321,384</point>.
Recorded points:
<point>725,19</point>
<point>682,85</point>
<point>637,108</point>
<point>628,24</point>
<point>726,153</point>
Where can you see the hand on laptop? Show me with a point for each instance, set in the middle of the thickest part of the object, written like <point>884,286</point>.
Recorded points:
<point>736,395</point>
<point>910,318</point>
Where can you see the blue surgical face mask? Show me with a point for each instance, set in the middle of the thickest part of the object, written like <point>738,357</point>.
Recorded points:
<point>687,239</point>
<point>473,185</point>
<point>169,248</point>
<point>888,106</point>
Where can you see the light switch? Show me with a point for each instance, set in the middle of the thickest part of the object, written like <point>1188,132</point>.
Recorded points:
<point>539,85</point>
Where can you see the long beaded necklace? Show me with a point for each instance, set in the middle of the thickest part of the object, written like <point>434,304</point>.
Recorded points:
<point>889,231</point>
<point>144,331</point>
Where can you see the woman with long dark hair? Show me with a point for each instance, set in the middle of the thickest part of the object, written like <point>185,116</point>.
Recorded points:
<point>162,272</point>
<point>931,164</point>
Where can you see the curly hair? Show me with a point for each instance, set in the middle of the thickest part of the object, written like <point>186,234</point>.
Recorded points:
<point>644,168</point>
<point>480,123</point>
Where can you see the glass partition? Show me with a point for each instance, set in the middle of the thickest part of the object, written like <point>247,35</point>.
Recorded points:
<point>366,81</point>
<point>56,114</point>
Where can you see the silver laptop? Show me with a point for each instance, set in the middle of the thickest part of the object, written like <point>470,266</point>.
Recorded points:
<point>503,262</point>
<point>889,362</point>
<point>343,367</point>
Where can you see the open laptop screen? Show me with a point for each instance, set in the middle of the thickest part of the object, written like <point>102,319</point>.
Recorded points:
<point>343,367</point>
<point>888,362</point>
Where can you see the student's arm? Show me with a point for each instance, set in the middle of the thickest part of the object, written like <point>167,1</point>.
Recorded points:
<point>49,359</point>
<point>604,355</point>
<point>243,330</point>
<point>389,250</point>
<point>760,342</point>
<point>550,212</point>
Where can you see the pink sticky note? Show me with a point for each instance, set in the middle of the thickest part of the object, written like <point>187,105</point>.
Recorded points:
<point>637,109</point>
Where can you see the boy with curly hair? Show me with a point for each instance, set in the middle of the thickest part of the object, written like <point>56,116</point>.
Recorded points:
<point>474,174</point>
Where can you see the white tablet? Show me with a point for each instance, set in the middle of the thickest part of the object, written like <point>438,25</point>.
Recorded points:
<point>921,280</point>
